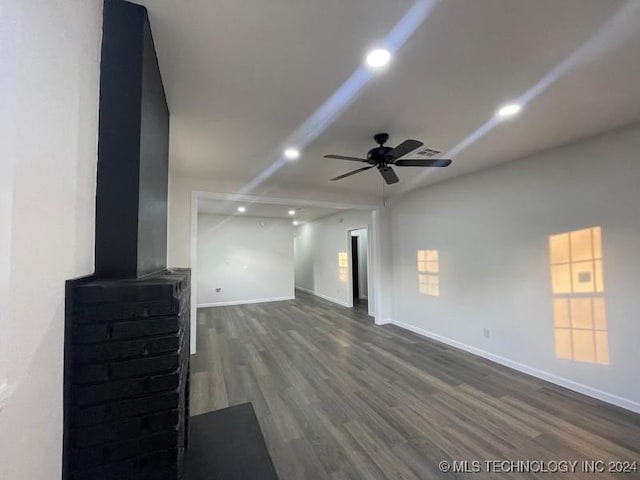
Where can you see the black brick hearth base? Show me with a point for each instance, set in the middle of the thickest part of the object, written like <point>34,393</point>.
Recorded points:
<point>127,377</point>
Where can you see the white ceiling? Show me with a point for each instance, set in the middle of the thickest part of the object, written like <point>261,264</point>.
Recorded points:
<point>241,77</point>
<point>264,210</point>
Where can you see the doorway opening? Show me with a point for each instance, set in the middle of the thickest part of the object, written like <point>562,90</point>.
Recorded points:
<point>359,271</point>
<point>308,245</point>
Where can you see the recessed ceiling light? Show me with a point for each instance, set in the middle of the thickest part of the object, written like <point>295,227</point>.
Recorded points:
<point>509,110</point>
<point>292,212</point>
<point>292,153</point>
<point>378,58</point>
<point>242,209</point>
<point>295,222</point>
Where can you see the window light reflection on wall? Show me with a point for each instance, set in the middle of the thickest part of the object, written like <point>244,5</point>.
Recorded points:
<point>577,283</point>
<point>428,265</point>
<point>343,265</point>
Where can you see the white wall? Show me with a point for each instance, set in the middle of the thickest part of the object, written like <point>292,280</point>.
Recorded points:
<point>180,192</point>
<point>317,248</point>
<point>55,65</point>
<point>249,258</point>
<point>9,84</point>
<point>382,264</point>
<point>303,248</point>
<point>491,229</point>
<point>363,242</point>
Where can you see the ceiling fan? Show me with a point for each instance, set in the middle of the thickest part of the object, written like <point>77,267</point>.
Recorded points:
<point>383,158</point>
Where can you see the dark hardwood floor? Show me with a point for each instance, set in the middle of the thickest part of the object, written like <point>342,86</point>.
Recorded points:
<point>339,398</point>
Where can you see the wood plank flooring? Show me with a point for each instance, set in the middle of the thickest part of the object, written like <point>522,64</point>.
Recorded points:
<point>340,398</point>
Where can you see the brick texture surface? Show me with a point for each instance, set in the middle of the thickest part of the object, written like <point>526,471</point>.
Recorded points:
<point>126,377</point>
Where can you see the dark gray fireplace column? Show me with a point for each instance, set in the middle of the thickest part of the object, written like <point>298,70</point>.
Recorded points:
<point>126,387</point>
<point>133,148</point>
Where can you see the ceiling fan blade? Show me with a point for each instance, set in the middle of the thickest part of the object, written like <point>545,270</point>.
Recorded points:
<point>423,163</point>
<point>351,173</point>
<point>389,175</point>
<point>341,157</point>
<point>405,147</point>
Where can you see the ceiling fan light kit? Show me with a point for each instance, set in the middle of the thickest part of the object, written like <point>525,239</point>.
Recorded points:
<point>383,158</point>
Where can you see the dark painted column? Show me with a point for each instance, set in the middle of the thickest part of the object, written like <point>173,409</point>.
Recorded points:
<point>133,148</point>
<point>126,382</point>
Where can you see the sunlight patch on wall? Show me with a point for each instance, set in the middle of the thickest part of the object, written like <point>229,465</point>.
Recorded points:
<point>577,285</point>
<point>343,265</point>
<point>428,265</point>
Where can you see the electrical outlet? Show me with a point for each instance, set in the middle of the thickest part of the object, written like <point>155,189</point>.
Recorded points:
<point>487,333</point>
<point>218,290</point>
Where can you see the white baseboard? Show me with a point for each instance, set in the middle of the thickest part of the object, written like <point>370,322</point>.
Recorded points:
<point>385,321</point>
<point>325,297</point>
<point>549,377</point>
<point>306,290</point>
<point>244,302</point>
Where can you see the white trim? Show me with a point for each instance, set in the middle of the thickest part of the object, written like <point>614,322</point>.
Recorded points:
<point>371,280</point>
<point>324,297</point>
<point>294,202</point>
<point>350,266</point>
<point>375,256</point>
<point>549,377</point>
<point>193,260</point>
<point>245,302</point>
<point>305,290</point>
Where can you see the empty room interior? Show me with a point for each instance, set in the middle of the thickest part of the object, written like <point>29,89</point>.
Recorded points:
<point>319,239</point>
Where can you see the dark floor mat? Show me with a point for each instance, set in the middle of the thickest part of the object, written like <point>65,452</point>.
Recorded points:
<point>228,445</point>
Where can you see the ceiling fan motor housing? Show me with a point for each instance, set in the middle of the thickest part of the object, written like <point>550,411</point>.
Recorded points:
<point>378,155</point>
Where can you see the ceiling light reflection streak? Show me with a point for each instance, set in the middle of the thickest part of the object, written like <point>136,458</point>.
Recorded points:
<point>624,22</point>
<point>336,104</point>
<point>613,32</point>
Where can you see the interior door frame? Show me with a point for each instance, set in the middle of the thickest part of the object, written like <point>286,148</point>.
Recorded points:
<point>372,287</point>
<point>355,267</point>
